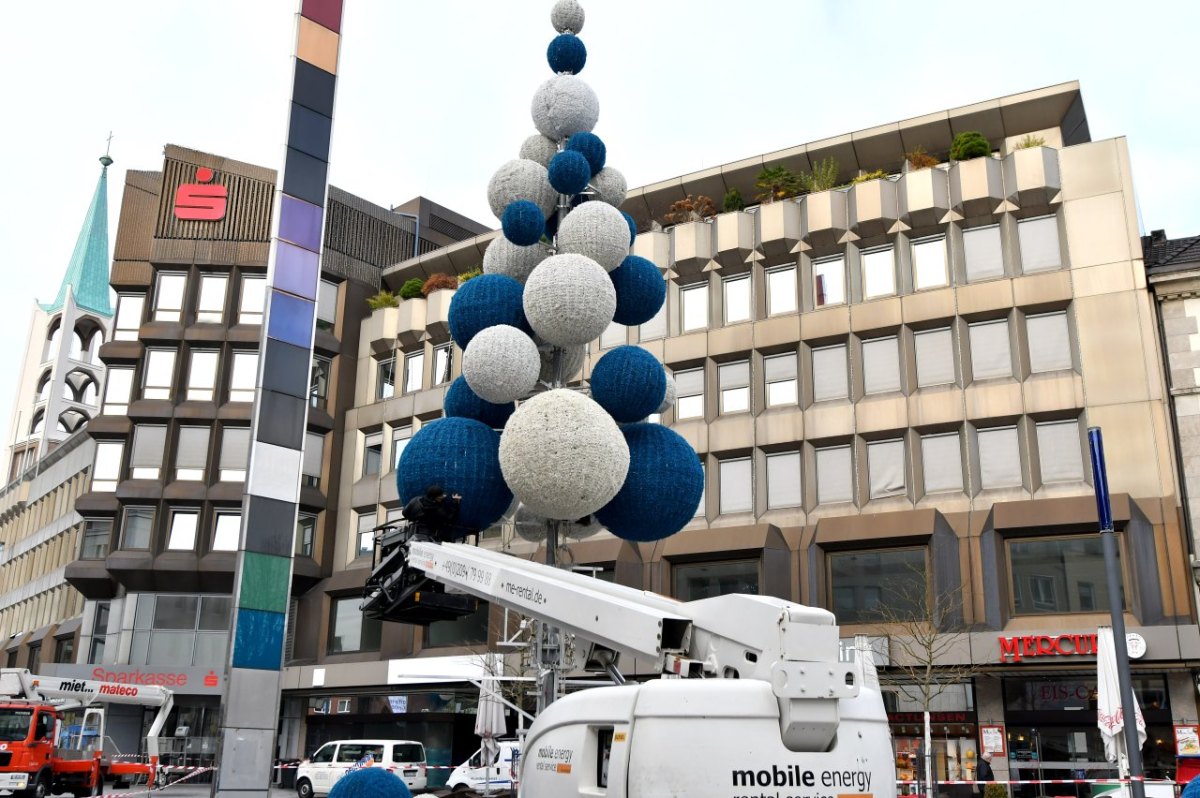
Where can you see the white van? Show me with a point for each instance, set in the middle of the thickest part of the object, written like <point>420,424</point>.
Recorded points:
<point>317,774</point>
<point>474,775</point>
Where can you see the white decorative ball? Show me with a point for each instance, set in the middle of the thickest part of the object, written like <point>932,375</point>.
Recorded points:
<point>572,362</point>
<point>596,230</point>
<point>562,455</point>
<point>504,257</point>
<point>521,179</point>
<point>610,186</point>
<point>564,106</point>
<point>540,149</point>
<point>501,364</point>
<point>669,399</point>
<point>567,15</point>
<point>529,525</point>
<point>569,300</point>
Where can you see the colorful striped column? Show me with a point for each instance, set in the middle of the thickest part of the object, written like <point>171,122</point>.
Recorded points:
<point>264,563</point>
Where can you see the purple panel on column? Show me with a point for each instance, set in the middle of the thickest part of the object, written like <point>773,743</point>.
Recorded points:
<point>290,319</point>
<point>296,270</point>
<point>324,12</point>
<point>300,223</point>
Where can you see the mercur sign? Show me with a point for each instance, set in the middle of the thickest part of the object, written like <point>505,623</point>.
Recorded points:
<point>1016,648</point>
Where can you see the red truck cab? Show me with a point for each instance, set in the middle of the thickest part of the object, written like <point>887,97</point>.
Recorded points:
<point>27,750</point>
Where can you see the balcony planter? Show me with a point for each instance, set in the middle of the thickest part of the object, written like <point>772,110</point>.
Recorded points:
<point>410,322</point>
<point>977,186</point>
<point>378,331</point>
<point>924,197</point>
<point>735,241</point>
<point>826,218</point>
<point>692,243</point>
<point>779,227</point>
<point>654,246</point>
<point>874,207</point>
<point>1031,177</point>
<point>437,315</point>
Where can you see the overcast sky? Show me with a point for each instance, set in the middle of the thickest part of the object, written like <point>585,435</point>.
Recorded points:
<point>433,96</point>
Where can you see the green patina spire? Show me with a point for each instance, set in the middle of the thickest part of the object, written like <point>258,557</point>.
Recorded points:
<point>87,273</point>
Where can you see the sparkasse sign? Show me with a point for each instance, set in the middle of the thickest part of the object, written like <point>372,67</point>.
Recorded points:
<point>185,680</point>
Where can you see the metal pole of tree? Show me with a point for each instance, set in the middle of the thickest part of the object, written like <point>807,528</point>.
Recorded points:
<point>1108,537</point>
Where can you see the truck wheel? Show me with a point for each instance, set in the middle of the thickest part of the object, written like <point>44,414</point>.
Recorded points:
<point>304,788</point>
<point>39,789</point>
<point>459,788</point>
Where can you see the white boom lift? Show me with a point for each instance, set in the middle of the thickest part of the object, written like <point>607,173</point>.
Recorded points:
<point>758,702</point>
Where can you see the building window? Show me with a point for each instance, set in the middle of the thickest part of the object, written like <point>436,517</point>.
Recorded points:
<point>1049,342</point>
<point>689,394</point>
<point>941,456</point>
<point>306,534</point>
<point>734,379</point>
<point>706,580</point>
<point>130,308</point>
<point>1060,453</point>
<point>614,335</point>
<point>736,494</point>
<point>243,376</point>
<point>1055,575</point>
<point>885,464</point>
<point>400,438</point>
<point>99,633</point>
<point>929,263</point>
<point>168,296</point>
<point>835,477</point>
<point>327,300</point>
<point>253,300</point>
<point>829,281</point>
<point>781,290</point>
<point>137,527</point>
<point>97,536</point>
<point>414,371</point>
<point>107,469</point>
<point>182,536</point>
<point>210,306</point>
<point>350,630</point>
<point>783,480</point>
<point>227,532</point>
<point>881,365</point>
<point>875,586</point>
<point>830,378</point>
<point>64,650</point>
<point>118,390</point>
<point>35,657</point>
<point>737,299</point>
<point>469,630</point>
<point>385,378</point>
<point>1039,244</point>
<point>314,453</point>
<point>779,373</point>
<point>366,534</point>
<point>442,362</point>
<point>935,357</point>
<point>656,327</point>
<point>149,445</point>
<point>372,454</point>
<point>202,376</point>
<point>235,453</point>
<point>694,299</point>
<point>180,630</point>
<point>191,456</point>
<point>991,353</point>
<point>159,374</point>
<point>700,508</point>
<point>999,458</point>
<point>318,383</point>
<point>878,272</point>
<point>981,248</point>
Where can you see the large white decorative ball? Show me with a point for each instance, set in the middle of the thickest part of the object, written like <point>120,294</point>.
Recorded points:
<point>501,364</point>
<point>504,257</point>
<point>529,525</point>
<point>540,149</point>
<point>564,106</point>
<point>567,15</point>
<point>569,300</point>
<point>562,455</point>
<point>521,179</point>
<point>669,399</point>
<point>572,362</point>
<point>610,186</point>
<point>596,230</point>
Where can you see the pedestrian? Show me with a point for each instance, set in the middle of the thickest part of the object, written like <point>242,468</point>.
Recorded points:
<point>984,773</point>
<point>433,515</point>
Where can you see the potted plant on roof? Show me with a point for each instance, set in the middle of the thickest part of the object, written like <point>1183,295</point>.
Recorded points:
<point>976,179</point>
<point>693,235</point>
<point>825,208</point>
<point>779,221</point>
<point>1031,173</point>
<point>875,207</point>
<point>438,290</point>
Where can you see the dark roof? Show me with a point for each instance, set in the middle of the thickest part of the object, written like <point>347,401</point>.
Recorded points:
<point>1162,254</point>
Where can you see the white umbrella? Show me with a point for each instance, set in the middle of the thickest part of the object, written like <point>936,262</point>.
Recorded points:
<point>489,724</point>
<point>1109,714</point>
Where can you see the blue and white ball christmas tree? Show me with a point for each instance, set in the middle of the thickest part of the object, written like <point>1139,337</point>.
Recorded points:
<point>559,275</point>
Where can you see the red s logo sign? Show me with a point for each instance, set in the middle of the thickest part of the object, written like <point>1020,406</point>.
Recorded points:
<point>198,202</point>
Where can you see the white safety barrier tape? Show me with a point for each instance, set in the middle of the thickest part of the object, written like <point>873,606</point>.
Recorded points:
<point>195,772</point>
<point>1047,781</point>
<point>427,767</point>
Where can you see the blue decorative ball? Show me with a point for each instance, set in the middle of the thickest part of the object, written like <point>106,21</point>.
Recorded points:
<point>523,223</point>
<point>374,782</point>
<point>566,53</point>
<point>569,172</point>
<point>462,402</point>
<point>632,227</point>
<point>629,383</point>
<point>641,290</point>
<point>483,302</point>
<point>462,456</point>
<point>589,146</point>
<point>662,488</point>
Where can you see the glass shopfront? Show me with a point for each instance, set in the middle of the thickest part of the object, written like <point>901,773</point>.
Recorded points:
<point>953,729</point>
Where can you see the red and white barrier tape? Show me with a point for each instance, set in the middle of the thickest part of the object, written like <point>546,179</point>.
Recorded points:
<point>1044,781</point>
<point>427,767</point>
<point>195,772</point>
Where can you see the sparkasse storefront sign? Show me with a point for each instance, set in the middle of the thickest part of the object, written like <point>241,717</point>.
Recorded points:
<point>188,681</point>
